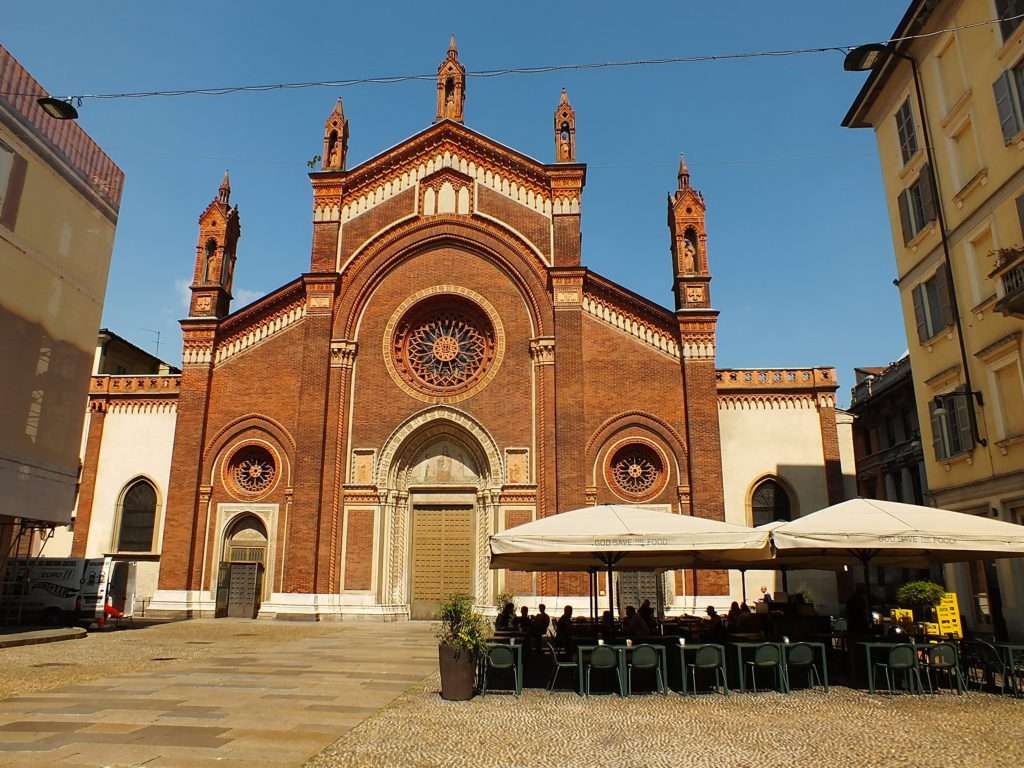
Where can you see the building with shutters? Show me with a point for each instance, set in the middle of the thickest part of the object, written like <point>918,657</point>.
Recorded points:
<point>444,366</point>
<point>963,312</point>
<point>59,201</point>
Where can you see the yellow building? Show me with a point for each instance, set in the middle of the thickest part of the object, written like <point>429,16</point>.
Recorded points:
<point>962,294</point>
<point>59,199</point>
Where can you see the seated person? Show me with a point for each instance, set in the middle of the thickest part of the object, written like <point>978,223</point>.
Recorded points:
<point>634,625</point>
<point>647,613</point>
<point>563,629</point>
<point>505,618</point>
<point>541,621</point>
<point>734,610</point>
<point>607,624</point>
<point>523,623</point>
<point>713,614</point>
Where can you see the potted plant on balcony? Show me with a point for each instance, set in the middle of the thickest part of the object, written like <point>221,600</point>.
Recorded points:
<point>461,639</point>
<point>921,596</point>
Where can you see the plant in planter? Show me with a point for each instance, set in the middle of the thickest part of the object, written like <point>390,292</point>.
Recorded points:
<point>921,596</point>
<point>461,638</point>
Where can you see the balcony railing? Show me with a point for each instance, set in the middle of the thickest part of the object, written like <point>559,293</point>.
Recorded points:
<point>1010,271</point>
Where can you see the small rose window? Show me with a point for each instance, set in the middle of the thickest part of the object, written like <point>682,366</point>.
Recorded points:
<point>252,470</point>
<point>636,470</point>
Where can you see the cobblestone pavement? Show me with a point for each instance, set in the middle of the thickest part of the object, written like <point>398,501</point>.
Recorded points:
<point>806,728</point>
<point>220,692</point>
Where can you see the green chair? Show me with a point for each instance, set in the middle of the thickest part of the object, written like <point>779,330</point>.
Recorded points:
<point>801,656</point>
<point>559,663</point>
<point>902,658</point>
<point>603,657</point>
<point>768,656</point>
<point>942,657</point>
<point>500,657</point>
<point>983,663</point>
<point>708,657</point>
<point>644,657</point>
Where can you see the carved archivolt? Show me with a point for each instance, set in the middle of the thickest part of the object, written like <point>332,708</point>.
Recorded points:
<point>386,466</point>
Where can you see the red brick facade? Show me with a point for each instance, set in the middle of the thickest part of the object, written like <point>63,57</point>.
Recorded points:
<point>578,377</point>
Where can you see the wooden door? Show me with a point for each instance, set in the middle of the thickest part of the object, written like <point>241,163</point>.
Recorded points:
<point>442,557</point>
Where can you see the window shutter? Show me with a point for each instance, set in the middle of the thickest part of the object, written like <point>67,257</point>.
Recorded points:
<point>12,198</point>
<point>1020,213</point>
<point>919,316</point>
<point>965,436</point>
<point>1009,114</point>
<point>937,444</point>
<point>904,206</point>
<point>927,193</point>
<point>942,278</point>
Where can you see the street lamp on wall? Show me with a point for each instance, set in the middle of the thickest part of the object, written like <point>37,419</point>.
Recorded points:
<point>872,57</point>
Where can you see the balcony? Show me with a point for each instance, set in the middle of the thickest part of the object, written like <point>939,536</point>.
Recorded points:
<point>1010,272</point>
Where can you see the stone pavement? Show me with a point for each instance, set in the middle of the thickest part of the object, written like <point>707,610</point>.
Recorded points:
<point>242,704</point>
<point>806,729</point>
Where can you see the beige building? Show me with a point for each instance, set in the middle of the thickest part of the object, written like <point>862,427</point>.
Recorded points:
<point>960,261</point>
<point>59,199</point>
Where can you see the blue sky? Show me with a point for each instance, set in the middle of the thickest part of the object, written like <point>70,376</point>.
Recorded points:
<point>799,239</point>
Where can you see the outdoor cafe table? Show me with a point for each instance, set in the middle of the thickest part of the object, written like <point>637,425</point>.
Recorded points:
<point>622,651</point>
<point>517,651</point>
<point>872,646</point>
<point>696,647</point>
<point>741,672</point>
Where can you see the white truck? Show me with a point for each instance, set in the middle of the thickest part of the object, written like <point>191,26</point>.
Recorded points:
<point>59,590</point>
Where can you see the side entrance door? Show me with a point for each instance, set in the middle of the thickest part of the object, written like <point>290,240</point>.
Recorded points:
<point>442,556</point>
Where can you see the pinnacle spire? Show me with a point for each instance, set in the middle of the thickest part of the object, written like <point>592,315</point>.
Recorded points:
<point>564,98</point>
<point>684,172</point>
<point>224,192</point>
<point>453,48</point>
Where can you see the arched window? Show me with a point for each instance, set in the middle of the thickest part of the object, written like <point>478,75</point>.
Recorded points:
<point>208,253</point>
<point>138,518</point>
<point>769,502</point>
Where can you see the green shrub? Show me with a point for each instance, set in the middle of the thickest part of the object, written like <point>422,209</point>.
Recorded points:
<point>503,598</point>
<point>920,594</point>
<point>462,628</point>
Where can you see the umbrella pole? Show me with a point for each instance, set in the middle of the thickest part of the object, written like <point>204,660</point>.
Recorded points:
<point>611,593</point>
<point>785,580</point>
<point>743,578</point>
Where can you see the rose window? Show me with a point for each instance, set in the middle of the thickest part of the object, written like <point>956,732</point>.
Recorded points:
<point>444,345</point>
<point>252,470</point>
<point>636,469</point>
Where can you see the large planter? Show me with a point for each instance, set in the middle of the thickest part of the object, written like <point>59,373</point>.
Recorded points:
<point>458,669</point>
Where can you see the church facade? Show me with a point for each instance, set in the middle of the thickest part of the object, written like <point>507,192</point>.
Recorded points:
<point>445,367</point>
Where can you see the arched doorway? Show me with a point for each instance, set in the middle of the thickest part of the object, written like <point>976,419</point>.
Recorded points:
<point>240,586</point>
<point>440,474</point>
<point>442,479</point>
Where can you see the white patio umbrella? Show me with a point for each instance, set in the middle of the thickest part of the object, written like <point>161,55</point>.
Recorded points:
<point>881,533</point>
<point>890,533</point>
<point>625,537</point>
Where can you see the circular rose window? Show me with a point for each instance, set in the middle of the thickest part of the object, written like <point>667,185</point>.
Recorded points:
<point>443,347</point>
<point>251,471</point>
<point>636,470</point>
